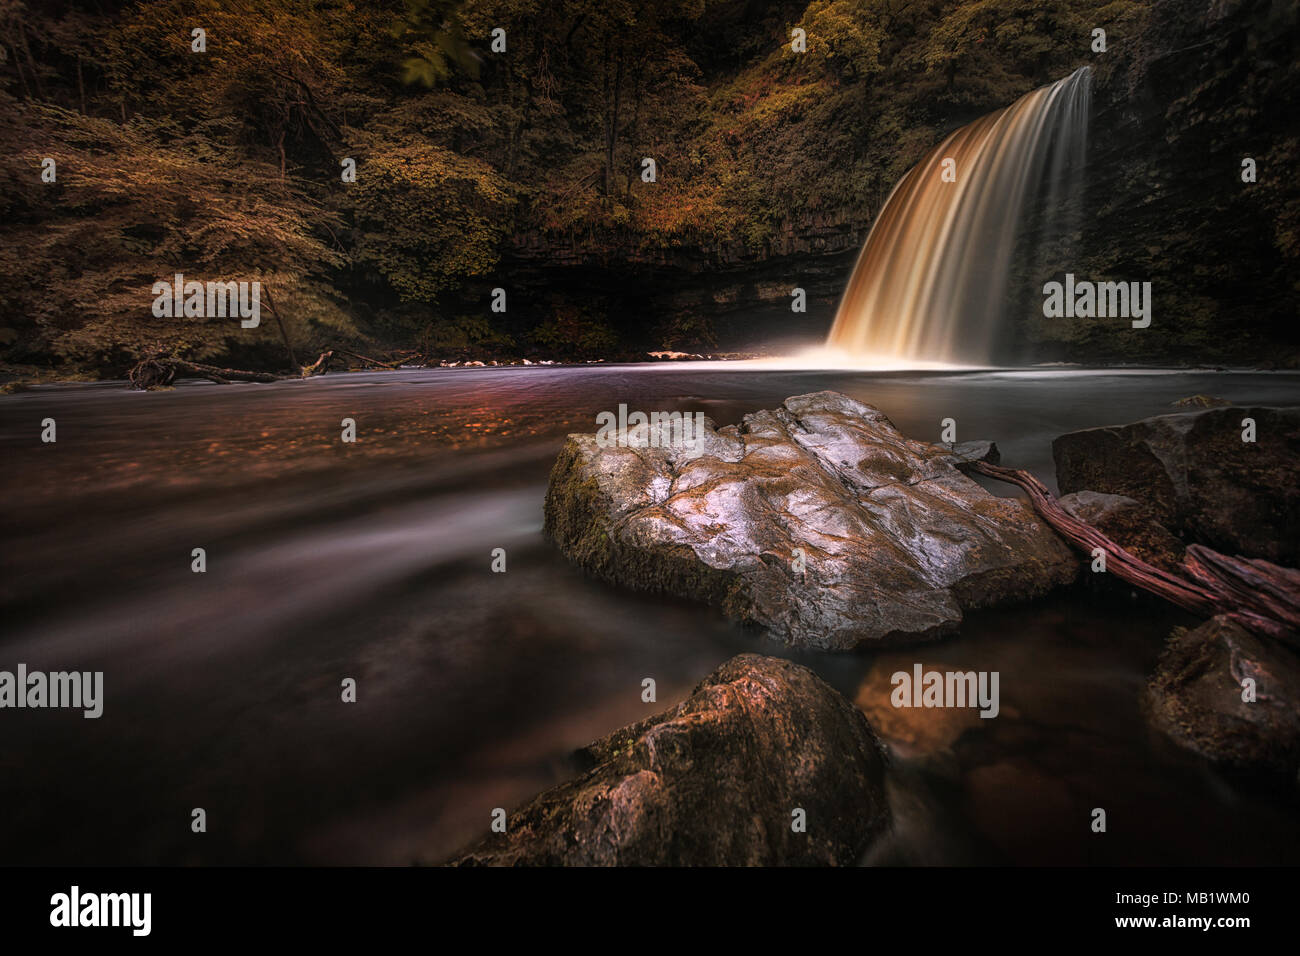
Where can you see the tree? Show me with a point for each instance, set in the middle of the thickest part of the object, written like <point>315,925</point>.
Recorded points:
<point>131,206</point>
<point>428,218</point>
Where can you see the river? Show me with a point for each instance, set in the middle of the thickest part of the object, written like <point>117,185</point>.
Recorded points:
<point>372,560</point>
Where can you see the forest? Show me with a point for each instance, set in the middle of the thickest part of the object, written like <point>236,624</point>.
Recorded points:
<point>381,166</point>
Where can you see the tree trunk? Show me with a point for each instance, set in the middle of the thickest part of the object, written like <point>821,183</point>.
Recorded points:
<point>613,102</point>
<point>284,334</point>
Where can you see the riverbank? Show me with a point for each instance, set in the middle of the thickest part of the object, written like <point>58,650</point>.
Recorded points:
<point>16,379</point>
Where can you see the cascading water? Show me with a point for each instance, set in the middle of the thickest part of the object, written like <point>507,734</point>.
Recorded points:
<point>930,284</point>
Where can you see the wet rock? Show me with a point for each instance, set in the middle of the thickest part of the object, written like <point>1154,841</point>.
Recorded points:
<point>714,781</point>
<point>1195,697</point>
<point>911,732</point>
<point>1128,523</point>
<point>977,451</point>
<point>816,520</point>
<point>1198,477</point>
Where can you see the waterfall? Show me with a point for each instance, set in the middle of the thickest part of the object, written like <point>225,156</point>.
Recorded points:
<point>930,284</point>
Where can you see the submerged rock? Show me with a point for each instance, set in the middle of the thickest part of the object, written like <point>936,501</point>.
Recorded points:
<point>715,781</point>
<point>1128,523</point>
<point>816,520</point>
<point>1201,401</point>
<point>1195,697</point>
<point>1198,477</point>
<point>911,732</point>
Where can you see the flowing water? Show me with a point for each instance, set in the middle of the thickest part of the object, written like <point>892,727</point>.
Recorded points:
<point>930,284</point>
<point>372,561</point>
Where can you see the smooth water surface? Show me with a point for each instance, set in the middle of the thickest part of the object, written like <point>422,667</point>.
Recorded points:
<point>372,561</point>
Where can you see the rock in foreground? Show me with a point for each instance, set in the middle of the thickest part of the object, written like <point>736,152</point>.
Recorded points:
<point>1198,477</point>
<point>816,520</point>
<point>714,781</point>
<point>1195,697</point>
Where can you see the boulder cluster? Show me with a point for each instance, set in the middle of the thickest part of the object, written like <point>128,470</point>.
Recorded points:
<point>821,524</point>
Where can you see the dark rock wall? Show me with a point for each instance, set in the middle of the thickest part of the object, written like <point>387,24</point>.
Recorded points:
<point>1206,85</point>
<point>1176,108</point>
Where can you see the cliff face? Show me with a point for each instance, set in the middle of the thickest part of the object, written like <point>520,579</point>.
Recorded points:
<point>681,296</point>
<point>1206,86</point>
<point>693,297</point>
<point>1196,88</point>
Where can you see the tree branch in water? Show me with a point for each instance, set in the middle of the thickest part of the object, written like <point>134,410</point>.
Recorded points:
<point>1260,596</point>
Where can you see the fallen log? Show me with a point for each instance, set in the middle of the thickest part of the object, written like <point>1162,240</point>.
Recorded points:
<point>322,364</point>
<point>159,372</point>
<point>1259,596</point>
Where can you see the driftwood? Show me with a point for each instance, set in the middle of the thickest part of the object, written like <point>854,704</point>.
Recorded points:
<point>1268,595</point>
<point>322,364</point>
<point>159,371</point>
<point>156,372</point>
<point>1259,596</point>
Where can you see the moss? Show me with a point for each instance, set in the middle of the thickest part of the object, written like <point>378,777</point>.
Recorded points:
<point>575,519</point>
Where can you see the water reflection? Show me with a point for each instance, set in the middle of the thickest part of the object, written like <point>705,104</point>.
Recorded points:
<point>372,561</point>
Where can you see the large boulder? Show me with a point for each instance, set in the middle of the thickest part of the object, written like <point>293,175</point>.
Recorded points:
<point>715,781</point>
<point>816,520</point>
<point>1128,523</point>
<point>1198,476</point>
<point>1195,697</point>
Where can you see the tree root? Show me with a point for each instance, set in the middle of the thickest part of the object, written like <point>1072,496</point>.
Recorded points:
<point>1260,596</point>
